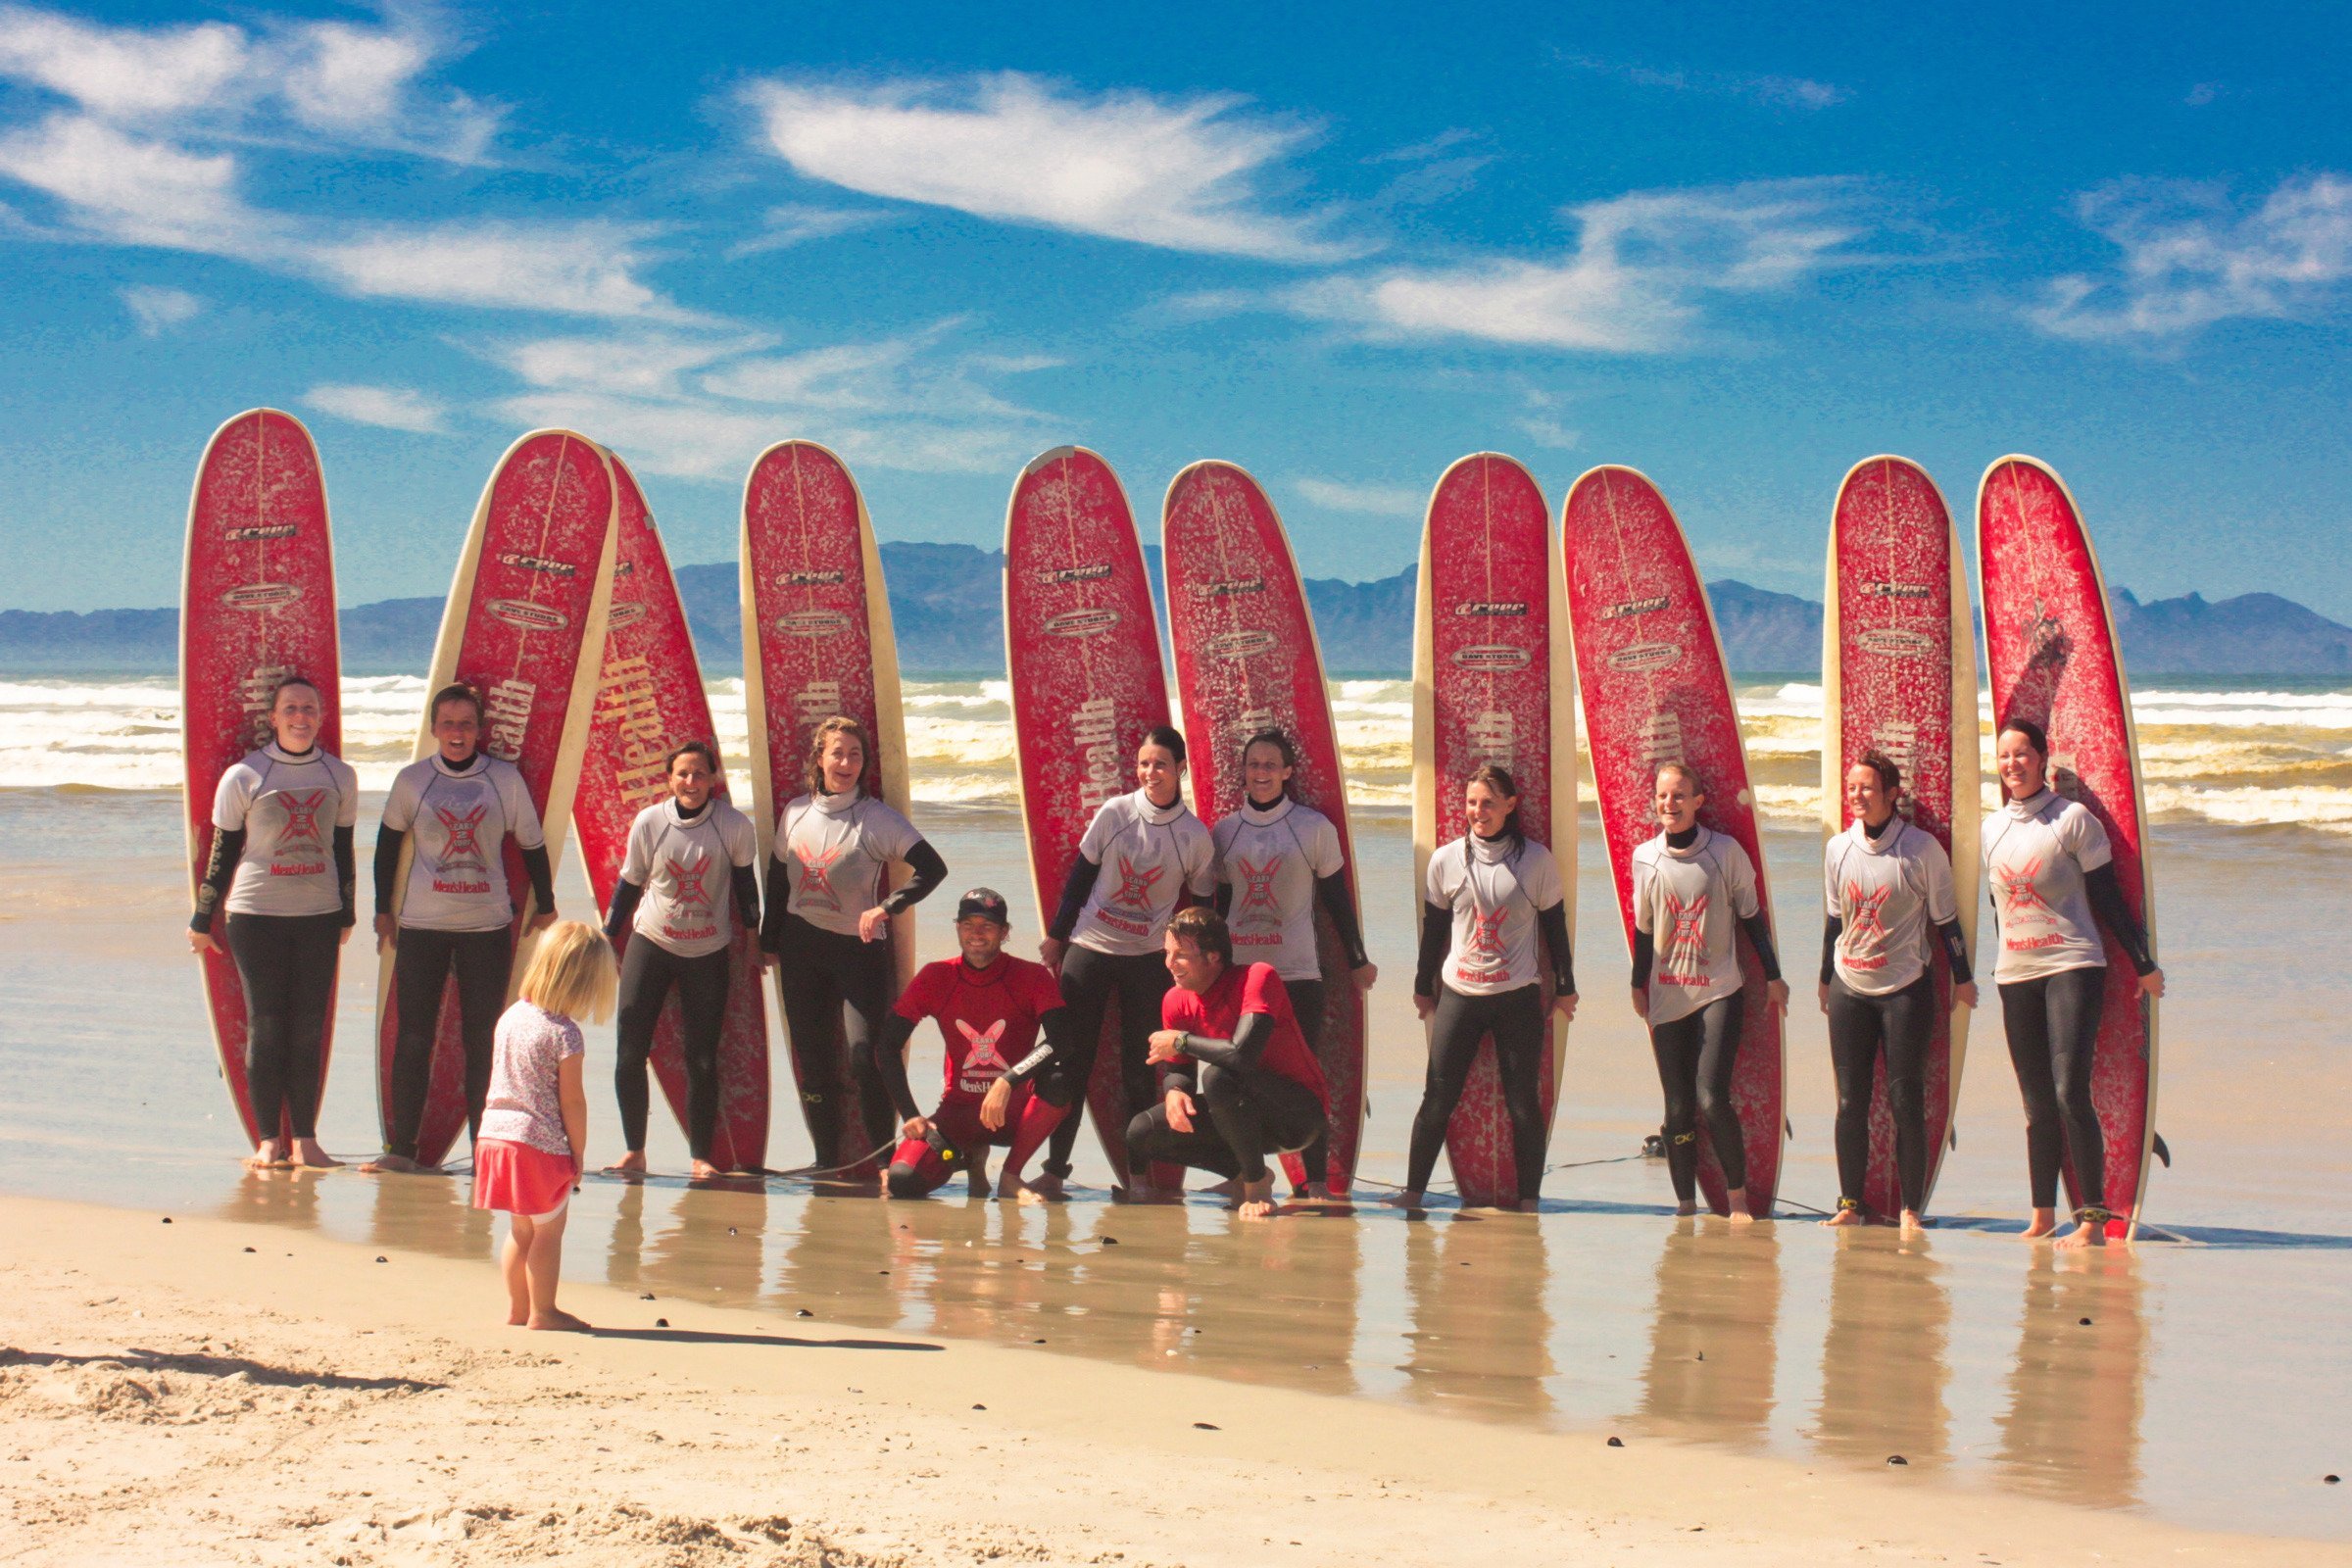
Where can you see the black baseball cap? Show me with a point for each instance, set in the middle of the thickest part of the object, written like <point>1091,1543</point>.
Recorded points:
<point>986,903</point>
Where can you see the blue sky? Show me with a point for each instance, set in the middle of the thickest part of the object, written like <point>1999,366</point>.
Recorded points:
<point>1737,247</point>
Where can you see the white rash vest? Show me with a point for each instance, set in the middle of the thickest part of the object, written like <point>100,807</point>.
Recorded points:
<point>1272,859</point>
<point>837,851</point>
<point>2038,853</point>
<point>687,872</point>
<point>1149,855</point>
<point>289,808</point>
<point>457,825</point>
<point>1495,889</point>
<point>1692,902</point>
<point>1890,893</point>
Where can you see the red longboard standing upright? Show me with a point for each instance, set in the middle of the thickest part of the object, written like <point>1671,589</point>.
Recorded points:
<point>1492,685</point>
<point>526,627</point>
<point>1898,663</point>
<point>2051,651</point>
<point>1247,660</point>
<point>649,702</point>
<point>257,606</point>
<point>817,642</point>
<point>1081,648</point>
<point>1650,672</point>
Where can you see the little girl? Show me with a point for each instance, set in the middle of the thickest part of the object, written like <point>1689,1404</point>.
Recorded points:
<point>528,1155</point>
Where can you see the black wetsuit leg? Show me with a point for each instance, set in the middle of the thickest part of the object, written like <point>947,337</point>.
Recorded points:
<point>1900,1023</point>
<point>1244,1116</point>
<point>834,983</point>
<point>421,962</point>
<point>1086,992</point>
<point>1306,1006</point>
<point>287,963</point>
<point>1089,980</point>
<point>1515,1020</point>
<point>2053,1029</point>
<point>1696,1056</point>
<point>702,986</point>
<point>645,982</point>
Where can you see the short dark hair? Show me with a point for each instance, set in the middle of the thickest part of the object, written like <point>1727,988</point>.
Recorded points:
<point>1891,777</point>
<point>456,692</point>
<point>284,681</point>
<point>702,749</point>
<point>2032,732</point>
<point>1498,778</point>
<point>1204,928</point>
<point>1163,735</point>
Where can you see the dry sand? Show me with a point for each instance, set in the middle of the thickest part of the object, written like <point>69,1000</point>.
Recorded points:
<point>203,1391</point>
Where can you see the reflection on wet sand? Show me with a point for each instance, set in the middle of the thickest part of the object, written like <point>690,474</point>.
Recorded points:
<point>2076,1392</point>
<point>707,1249</point>
<point>431,1214</point>
<point>1481,1336</point>
<point>288,1198</point>
<point>1712,1328</point>
<point>1885,1359</point>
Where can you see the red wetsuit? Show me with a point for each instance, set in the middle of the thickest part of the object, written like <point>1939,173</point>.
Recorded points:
<point>989,1020</point>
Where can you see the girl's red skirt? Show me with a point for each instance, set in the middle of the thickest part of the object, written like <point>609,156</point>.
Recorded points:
<point>519,1179</point>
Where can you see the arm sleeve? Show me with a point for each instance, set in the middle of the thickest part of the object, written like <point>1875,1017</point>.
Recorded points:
<point>1759,932</point>
<point>388,839</point>
<point>347,873</point>
<point>2107,897</point>
<point>1942,900</point>
<point>779,898</point>
<point>1076,888</point>
<point>1221,900</point>
<point>1243,1052</point>
<point>626,896</point>
<point>637,852</point>
<point>1833,926</point>
<point>1054,1040</point>
<point>1339,904</point>
<point>1553,923</point>
<point>1955,949</point>
<point>929,873</point>
<point>890,1059</point>
<point>541,870</point>
<point>746,883</point>
<point>1645,955</point>
<point>1437,934</point>
<point>228,847</point>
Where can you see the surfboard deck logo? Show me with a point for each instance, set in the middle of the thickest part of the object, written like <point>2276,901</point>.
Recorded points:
<point>257,606</point>
<point>1081,704</point>
<point>542,539</point>
<point>1899,676</point>
<point>2051,651</point>
<point>1488,572</point>
<point>1248,659</point>
<point>1632,590</point>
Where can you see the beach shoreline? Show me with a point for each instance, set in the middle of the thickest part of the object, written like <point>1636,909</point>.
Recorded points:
<point>176,1383</point>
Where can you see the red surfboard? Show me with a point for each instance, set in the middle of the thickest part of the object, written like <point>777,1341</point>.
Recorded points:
<point>649,702</point>
<point>1491,684</point>
<point>1082,647</point>
<point>257,605</point>
<point>525,626</point>
<point>1650,671</point>
<point>1898,661</point>
<point>1247,659</point>
<point>817,642</point>
<point>2050,647</point>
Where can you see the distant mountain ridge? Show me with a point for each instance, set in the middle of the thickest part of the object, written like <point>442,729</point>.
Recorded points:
<point>947,602</point>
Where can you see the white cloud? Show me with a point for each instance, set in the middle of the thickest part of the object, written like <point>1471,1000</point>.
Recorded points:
<point>1637,282</point>
<point>2191,259</point>
<point>639,365</point>
<point>130,190</point>
<point>1774,92</point>
<point>393,407</point>
<point>1380,501</point>
<point>1185,175</point>
<point>1549,432</point>
<point>793,224</point>
<point>157,310</point>
<point>582,268</point>
<point>122,72</point>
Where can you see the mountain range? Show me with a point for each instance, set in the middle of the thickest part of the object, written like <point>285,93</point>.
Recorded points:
<point>947,602</point>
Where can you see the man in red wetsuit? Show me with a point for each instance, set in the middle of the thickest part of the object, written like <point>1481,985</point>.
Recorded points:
<point>1001,1089</point>
<point>1236,1061</point>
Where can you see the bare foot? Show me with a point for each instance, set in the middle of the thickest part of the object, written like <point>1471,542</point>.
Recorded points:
<point>1048,1188</point>
<point>1530,1206</point>
<point>705,1171</point>
<point>1406,1200</point>
<point>519,1314</point>
<point>2044,1223</point>
<point>631,1163</point>
<point>265,1156</point>
<point>310,1157</point>
<point>2091,1232</point>
<point>558,1320</point>
<point>1911,1223</point>
<point>1845,1215</point>
<point>1736,1199</point>
<point>398,1166</point>
<point>1686,1210</point>
<point>1012,1188</point>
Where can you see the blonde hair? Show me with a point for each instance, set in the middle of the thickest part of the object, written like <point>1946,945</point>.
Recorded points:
<point>571,973</point>
<point>1690,774</point>
<point>838,724</point>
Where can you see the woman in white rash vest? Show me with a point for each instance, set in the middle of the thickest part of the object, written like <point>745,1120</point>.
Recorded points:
<point>688,882</point>
<point>1107,936</point>
<point>1276,858</point>
<point>1694,889</point>
<point>828,924</point>
<point>2050,875</point>
<point>1886,885</point>
<point>281,872</point>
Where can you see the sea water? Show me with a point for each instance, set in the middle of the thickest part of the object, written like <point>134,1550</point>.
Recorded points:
<point>2209,1386</point>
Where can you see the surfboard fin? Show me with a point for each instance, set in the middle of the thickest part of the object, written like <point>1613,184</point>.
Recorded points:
<point>1951,1138</point>
<point>2163,1153</point>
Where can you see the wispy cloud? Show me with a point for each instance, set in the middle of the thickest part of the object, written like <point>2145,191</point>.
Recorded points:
<point>1772,92</point>
<point>1183,173</point>
<point>2191,258</point>
<point>157,310</point>
<point>1375,499</point>
<point>393,407</point>
<point>572,269</point>
<point>1637,281</point>
<point>796,223</point>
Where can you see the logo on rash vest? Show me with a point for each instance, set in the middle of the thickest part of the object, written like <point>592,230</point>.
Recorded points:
<point>1865,941</point>
<point>817,875</point>
<point>1482,948</point>
<point>548,565</point>
<point>982,1063</point>
<point>1490,607</point>
<point>1686,948</point>
<point>2023,905</point>
<point>460,851</point>
<point>261,596</point>
<point>1089,572</point>
<point>1633,607</point>
<point>1491,657</point>
<point>521,612</point>
<point>1134,893</point>
<point>302,832</point>
<point>690,891</point>
<point>1082,622</point>
<point>268,530</point>
<point>1258,892</point>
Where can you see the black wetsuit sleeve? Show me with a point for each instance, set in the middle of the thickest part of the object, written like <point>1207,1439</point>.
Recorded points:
<point>1645,955</point>
<point>1759,932</point>
<point>779,898</point>
<point>1075,891</point>
<point>1832,928</point>
<point>929,873</point>
<point>1955,950</point>
<point>1437,934</point>
<point>1243,1052</point>
<point>1553,923</point>
<point>228,847</point>
<point>626,896</point>
<point>541,870</point>
<point>1220,898</point>
<point>890,1059</point>
<point>388,840</point>
<point>1339,904</point>
<point>347,876</point>
<point>2107,897</point>
<point>746,883</point>
<point>1055,1042</point>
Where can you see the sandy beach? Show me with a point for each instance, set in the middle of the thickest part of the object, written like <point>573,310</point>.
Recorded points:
<point>178,1389</point>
